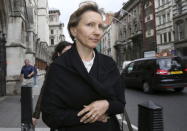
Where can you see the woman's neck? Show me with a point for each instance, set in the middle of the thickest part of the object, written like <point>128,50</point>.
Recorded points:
<point>85,53</point>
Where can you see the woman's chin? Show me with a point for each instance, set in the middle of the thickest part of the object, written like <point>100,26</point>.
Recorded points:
<point>93,46</point>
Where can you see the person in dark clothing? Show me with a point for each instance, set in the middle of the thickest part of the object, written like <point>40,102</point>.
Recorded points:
<point>60,48</point>
<point>83,90</point>
<point>27,72</point>
<point>26,78</point>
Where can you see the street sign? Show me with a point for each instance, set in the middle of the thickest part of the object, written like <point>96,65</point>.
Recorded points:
<point>149,54</point>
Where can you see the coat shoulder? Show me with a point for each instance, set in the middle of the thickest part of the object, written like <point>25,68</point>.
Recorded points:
<point>64,59</point>
<point>106,61</point>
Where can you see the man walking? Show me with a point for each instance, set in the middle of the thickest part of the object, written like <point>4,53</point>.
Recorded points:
<point>27,73</point>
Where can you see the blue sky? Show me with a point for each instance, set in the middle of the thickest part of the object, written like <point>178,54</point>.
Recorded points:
<point>66,7</point>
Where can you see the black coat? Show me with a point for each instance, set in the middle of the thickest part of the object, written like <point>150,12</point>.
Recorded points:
<point>69,87</point>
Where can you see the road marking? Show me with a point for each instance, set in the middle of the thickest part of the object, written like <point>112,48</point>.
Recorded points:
<point>125,122</point>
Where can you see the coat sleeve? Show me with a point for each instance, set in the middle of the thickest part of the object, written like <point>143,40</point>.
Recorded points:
<point>55,113</point>
<point>117,101</point>
<point>37,110</point>
<point>117,104</point>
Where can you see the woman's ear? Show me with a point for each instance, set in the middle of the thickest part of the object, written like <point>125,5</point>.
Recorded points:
<point>73,31</point>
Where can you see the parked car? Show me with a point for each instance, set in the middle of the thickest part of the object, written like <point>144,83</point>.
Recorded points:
<point>156,73</point>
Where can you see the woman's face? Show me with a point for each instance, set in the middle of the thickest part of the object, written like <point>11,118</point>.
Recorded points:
<point>89,30</point>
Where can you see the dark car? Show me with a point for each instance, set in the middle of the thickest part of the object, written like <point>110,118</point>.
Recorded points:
<point>156,73</point>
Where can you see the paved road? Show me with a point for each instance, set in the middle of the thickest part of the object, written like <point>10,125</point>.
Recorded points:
<point>174,107</point>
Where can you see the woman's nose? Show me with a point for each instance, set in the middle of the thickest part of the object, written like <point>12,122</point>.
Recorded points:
<point>98,30</point>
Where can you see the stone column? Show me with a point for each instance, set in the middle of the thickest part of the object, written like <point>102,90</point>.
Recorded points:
<point>30,47</point>
<point>15,52</point>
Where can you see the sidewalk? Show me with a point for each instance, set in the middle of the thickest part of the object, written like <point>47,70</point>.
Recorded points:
<point>10,110</point>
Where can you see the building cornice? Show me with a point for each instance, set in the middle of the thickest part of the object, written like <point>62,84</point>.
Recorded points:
<point>161,10</point>
<point>14,44</point>
<point>179,16</point>
<point>180,41</point>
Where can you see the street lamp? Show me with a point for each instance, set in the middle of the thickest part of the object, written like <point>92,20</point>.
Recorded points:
<point>123,11</point>
<point>118,20</point>
<point>121,14</point>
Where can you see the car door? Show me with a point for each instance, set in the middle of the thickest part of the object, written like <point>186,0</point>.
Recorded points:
<point>137,74</point>
<point>128,75</point>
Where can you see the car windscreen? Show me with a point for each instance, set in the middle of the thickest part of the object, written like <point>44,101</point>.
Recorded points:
<point>170,63</point>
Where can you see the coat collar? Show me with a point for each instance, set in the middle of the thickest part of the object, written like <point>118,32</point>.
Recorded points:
<point>80,68</point>
<point>78,63</point>
<point>72,62</point>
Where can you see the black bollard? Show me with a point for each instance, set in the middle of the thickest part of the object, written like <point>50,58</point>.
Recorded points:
<point>150,117</point>
<point>26,109</point>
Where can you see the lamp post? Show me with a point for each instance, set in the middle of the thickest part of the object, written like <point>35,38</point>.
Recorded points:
<point>123,10</point>
<point>119,21</point>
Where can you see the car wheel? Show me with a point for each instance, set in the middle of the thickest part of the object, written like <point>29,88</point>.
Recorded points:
<point>179,89</point>
<point>147,88</point>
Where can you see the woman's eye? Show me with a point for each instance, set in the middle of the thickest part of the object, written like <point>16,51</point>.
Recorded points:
<point>90,24</point>
<point>101,27</point>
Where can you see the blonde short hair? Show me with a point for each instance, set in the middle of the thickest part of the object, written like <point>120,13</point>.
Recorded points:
<point>76,15</point>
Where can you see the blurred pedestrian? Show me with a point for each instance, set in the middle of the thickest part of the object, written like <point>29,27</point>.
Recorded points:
<point>35,75</point>
<point>59,50</point>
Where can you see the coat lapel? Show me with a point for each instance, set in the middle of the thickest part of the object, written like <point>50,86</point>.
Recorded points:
<point>77,62</point>
<point>88,77</point>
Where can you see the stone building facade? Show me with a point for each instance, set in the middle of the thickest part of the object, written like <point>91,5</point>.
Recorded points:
<point>55,29</point>
<point>164,25</point>
<point>180,27</point>
<point>20,36</point>
<point>42,56</point>
<point>17,47</point>
<point>106,41</point>
<point>143,28</point>
<point>149,28</point>
<point>123,38</point>
<point>3,31</point>
<point>106,45</point>
<point>129,43</point>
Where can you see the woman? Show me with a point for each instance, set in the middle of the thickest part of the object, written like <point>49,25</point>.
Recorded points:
<point>83,91</point>
<point>62,47</point>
